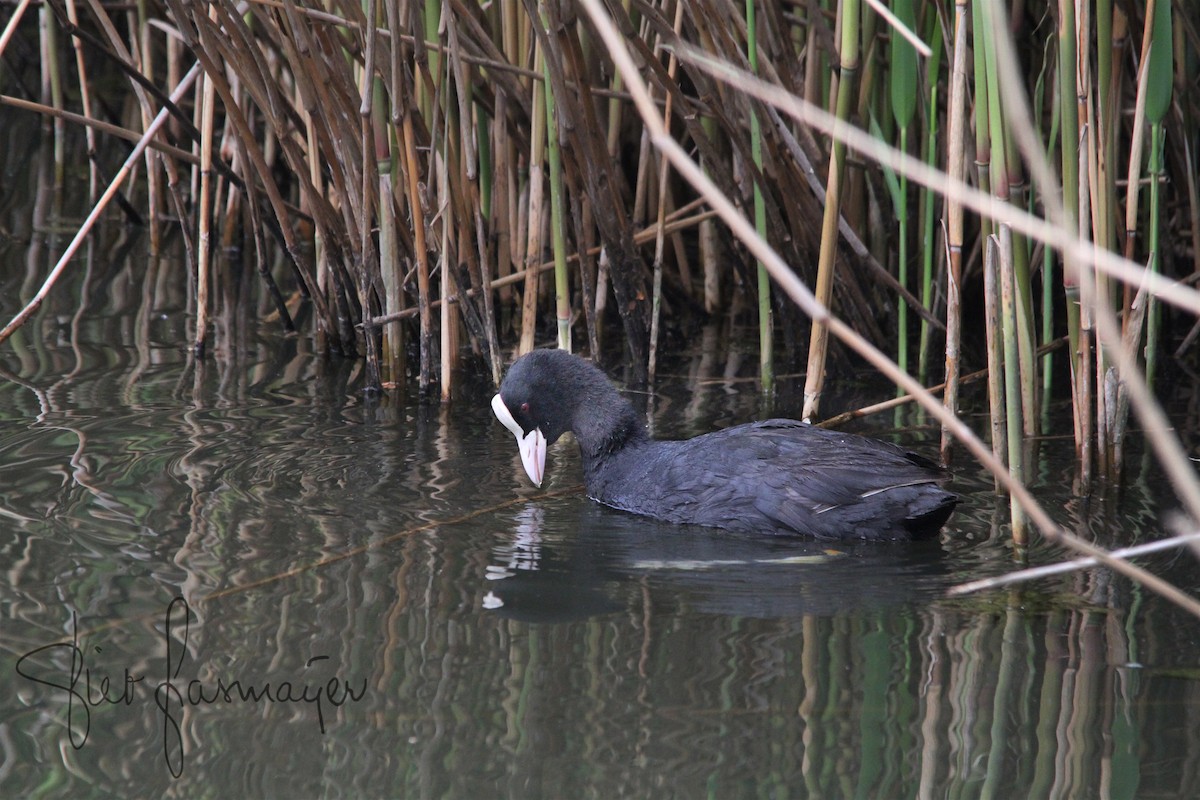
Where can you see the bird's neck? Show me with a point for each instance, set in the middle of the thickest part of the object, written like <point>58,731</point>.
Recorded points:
<point>607,427</point>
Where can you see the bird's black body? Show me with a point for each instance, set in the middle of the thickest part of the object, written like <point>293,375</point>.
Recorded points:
<point>779,476</point>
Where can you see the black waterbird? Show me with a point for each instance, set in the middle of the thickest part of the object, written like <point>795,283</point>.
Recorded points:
<point>779,476</point>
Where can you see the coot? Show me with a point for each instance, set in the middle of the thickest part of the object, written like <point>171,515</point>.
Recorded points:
<point>779,476</point>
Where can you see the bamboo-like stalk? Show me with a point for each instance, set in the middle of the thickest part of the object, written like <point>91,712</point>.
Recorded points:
<point>1133,177</point>
<point>1005,173</point>
<point>848,53</point>
<point>392,357</point>
<point>139,40</point>
<point>955,168</point>
<point>483,213</point>
<point>208,95</point>
<point>1134,311</point>
<point>987,104</point>
<point>320,255</point>
<point>533,241</point>
<point>903,86</point>
<point>447,318</point>
<point>661,223</point>
<point>1069,115</point>
<point>10,27</point>
<point>928,238</point>
<point>709,245</point>
<point>390,259</point>
<point>558,235</point>
<point>995,352</point>
<point>766,357</point>
<point>1048,287</point>
<point>1158,100</point>
<point>421,252</point>
<point>370,131</point>
<point>52,82</point>
<point>1101,151</point>
<point>1013,394</point>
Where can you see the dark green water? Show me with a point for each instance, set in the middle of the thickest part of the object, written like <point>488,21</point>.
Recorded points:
<point>413,619</point>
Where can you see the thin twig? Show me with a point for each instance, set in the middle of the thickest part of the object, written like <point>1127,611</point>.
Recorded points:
<point>1033,573</point>
<point>25,313</point>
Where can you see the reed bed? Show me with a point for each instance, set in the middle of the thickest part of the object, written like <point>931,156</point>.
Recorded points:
<point>987,179</point>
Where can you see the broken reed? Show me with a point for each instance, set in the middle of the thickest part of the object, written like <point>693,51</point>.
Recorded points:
<point>440,157</point>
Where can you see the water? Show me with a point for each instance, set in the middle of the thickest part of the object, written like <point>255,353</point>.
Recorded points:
<point>408,617</point>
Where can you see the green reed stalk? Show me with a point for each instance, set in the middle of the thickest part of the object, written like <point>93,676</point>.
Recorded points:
<point>1102,151</point>
<point>486,163</point>
<point>1069,114</point>
<point>562,289</point>
<point>390,261</point>
<point>430,17</point>
<point>1153,309</point>
<point>995,358</point>
<point>843,82</point>
<point>766,359</point>
<point>985,105</point>
<point>929,250</point>
<point>902,62</point>
<point>52,79</point>
<point>1005,171</point>
<point>1012,380</point>
<point>857,204</point>
<point>1047,298</point>
<point>371,129</point>
<point>1158,100</point>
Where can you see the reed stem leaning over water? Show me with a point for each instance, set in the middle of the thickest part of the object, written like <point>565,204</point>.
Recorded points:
<point>84,229</point>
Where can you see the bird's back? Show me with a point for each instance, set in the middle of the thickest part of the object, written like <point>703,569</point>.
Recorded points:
<point>780,476</point>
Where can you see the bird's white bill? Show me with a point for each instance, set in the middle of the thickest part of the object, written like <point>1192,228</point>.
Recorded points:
<point>531,445</point>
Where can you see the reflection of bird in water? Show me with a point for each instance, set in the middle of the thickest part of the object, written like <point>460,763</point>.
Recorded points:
<point>578,560</point>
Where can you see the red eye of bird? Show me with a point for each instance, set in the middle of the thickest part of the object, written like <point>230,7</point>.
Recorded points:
<point>524,408</point>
